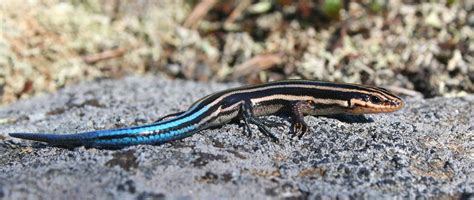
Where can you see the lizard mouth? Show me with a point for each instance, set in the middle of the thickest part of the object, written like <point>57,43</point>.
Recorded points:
<point>386,107</point>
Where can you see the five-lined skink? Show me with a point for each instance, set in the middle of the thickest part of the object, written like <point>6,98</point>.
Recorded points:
<point>295,98</point>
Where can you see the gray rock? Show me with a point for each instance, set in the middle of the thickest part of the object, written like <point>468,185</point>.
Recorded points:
<point>424,150</point>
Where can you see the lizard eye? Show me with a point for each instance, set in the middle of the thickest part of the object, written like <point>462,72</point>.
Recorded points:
<point>375,100</point>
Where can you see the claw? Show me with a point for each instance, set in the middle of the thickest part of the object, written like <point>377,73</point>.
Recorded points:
<point>266,131</point>
<point>298,129</point>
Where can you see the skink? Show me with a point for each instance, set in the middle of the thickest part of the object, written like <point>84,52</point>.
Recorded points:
<point>295,98</point>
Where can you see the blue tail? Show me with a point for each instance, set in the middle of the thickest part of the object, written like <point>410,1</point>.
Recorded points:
<point>156,133</point>
<point>110,139</point>
<point>63,140</point>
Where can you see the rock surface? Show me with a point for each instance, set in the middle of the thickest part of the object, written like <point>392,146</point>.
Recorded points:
<point>424,150</point>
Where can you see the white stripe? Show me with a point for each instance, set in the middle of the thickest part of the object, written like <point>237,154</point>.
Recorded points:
<point>300,98</point>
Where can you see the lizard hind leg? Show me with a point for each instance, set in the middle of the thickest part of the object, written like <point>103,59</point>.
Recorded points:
<point>169,116</point>
<point>249,118</point>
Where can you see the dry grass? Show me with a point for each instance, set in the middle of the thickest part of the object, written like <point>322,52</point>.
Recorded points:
<point>47,44</point>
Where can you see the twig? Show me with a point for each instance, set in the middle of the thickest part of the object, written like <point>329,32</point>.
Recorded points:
<point>238,11</point>
<point>108,54</point>
<point>257,64</point>
<point>404,91</point>
<point>198,13</point>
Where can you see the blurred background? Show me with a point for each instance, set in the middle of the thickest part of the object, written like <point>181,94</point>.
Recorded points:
<point>416,48</point>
